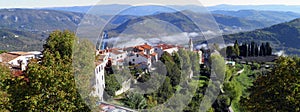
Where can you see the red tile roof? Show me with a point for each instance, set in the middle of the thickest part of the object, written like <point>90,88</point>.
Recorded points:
<point>113,50</point>
<point>165,46</point>
<point>145,46</point>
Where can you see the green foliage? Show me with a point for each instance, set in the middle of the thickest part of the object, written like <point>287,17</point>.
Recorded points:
<point>24,41</point>
<point>111,84</point>
<point>218,65</point>
<point>173,72</point>
<point>278,90</point>
<point>194,104</point>
<point>284,35</point>
<point>186,61</point>
<point>236,48</point>
<point>51,85</point>
<point>230,51</point>
<point>84,67</point>
<point>2,51</point>
<point>165,91</point>
<point>5,104</point>
<point>194,57</point>
<point>135,101</point>
<point>222,103</point>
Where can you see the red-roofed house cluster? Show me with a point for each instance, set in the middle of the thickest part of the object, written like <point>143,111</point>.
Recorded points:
<point>141,56</point>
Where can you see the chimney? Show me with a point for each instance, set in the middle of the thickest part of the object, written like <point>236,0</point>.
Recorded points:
<point>22,65</point>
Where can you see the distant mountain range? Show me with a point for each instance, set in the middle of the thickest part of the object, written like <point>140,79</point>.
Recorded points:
<point>27,29</point>
<point>183,21</point>
<point>284,8</point>
<point>268,17</point>
<point>151,9</point>
<point>284,36</point>
<point>41,20</point>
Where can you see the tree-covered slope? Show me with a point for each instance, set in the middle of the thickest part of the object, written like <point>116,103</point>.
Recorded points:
<point>284,36</point>
<point>13,40</point>
<point>183,21</point>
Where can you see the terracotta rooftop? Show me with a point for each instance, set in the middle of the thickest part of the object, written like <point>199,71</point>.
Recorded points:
<point>145,46</point>
<point>21,53</point>
<point>113,50</point>
<point>100,59</point>
<point>165,46</point>
<point>7,57</point>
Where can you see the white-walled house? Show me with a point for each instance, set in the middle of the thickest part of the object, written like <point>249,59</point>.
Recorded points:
<point>19,60</point>
<point>99,84</point>
<point>161,48</point>
<point>139,58</point>
<point>117,56</point>
<point>145,49</point>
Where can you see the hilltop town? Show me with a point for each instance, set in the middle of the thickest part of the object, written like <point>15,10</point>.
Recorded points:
<point>117,73</point>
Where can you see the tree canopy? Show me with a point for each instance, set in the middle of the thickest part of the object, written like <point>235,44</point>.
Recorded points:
<point>278,90</point>
<point>51,85</point>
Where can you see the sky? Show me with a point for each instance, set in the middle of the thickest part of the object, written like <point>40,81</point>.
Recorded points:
<point>64,3</point>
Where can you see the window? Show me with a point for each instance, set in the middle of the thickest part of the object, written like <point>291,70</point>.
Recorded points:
<point>137,55</point>
<point>133,60</point>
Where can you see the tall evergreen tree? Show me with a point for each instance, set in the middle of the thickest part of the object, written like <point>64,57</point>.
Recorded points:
<point>236,48</point>
<point>262,50</point>
<point>256,51</point>
<point>229,51</point>
<point>244,50</point>
<point>268,49</point>
<point>252,47</point>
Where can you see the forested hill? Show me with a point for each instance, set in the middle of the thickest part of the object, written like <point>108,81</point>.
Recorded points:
<point>14,40</point>
<point>40,20</point>
<point>284,36</point>
<point>26,29</point>
<point>183,21</point>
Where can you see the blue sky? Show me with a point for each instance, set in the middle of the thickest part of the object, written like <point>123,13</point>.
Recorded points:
<point>62,3</point>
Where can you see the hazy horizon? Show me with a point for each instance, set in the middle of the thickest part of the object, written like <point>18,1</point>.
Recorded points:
<point>72,3</point>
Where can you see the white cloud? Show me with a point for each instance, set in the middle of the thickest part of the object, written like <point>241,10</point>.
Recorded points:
<point>179,39</point>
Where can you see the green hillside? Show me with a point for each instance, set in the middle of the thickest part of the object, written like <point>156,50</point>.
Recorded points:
<point>13,40</point>
<point>284,36</point>
<point>183,21</point>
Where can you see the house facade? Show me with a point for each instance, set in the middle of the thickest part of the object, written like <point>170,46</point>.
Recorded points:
<point>19,60</point>
<point>99,81</point>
